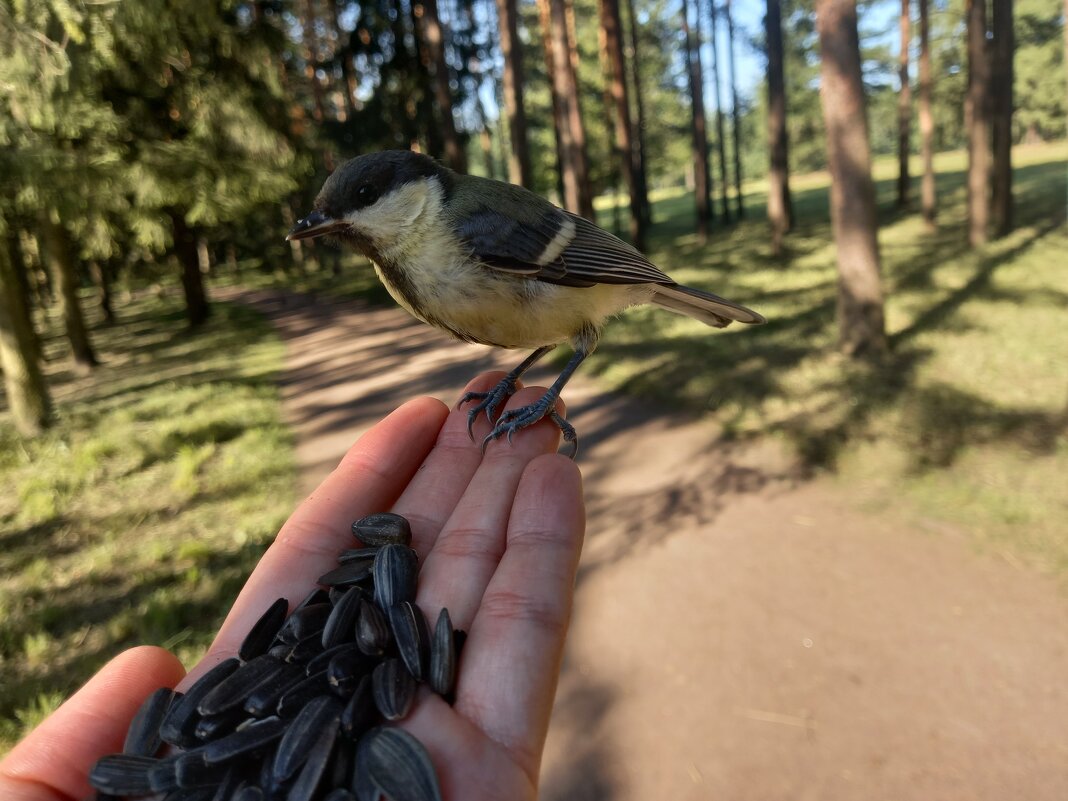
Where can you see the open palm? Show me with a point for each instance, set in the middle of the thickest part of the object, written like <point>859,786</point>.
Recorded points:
<point>498,535</point>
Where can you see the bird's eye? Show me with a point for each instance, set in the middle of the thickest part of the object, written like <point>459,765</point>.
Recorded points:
<point>366,195</point>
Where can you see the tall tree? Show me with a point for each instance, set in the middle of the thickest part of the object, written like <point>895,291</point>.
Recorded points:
<point>27,393</point>
<point>735,114</point>
<point>1003,51</point>
<point>519,170</point>
<point>721,145</point>
<point>860,298</point>
<point>434,36</point>
<point>977,122</point>
<point>904,110</point>
<point>612,26</point>
<point>639,116</point>
<point>574,166</point>
<point>701,178</point>
<point>780,207</point>
<point>927,187</point>
<point>64,270</point>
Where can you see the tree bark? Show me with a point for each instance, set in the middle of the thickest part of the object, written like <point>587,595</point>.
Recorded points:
<point>853,219</point>
<point>927,188</point>
<point>348,73</point>
<point>721,146</point>
<point>780,207</point>
<point>519,171</point>
<point>638,152</point>
<point>434,36</point>
<point>611,22</point>
<point>977,116</point>
<point>1001,110</point>
<point>572,135</point>
<point>702,191</point>
<point>22,308</point>
<point>102,278</point>
<point>607,106</point>
<point>545,18</point>
<point>185,248</point>
<point>736,118</point>
<point>904,110</point>
<point>60,259</point>
<point>27,393</point>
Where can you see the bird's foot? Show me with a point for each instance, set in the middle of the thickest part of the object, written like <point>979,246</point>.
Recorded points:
<point>515,420</point>
<point>488,402</point>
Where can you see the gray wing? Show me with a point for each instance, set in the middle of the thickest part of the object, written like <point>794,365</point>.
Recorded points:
<point>558,247</point>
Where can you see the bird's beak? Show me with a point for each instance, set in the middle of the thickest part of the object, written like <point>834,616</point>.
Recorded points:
<point>315,224</point>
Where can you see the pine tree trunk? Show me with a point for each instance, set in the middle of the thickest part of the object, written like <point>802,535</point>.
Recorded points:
<point>578,127</point>
<point>519,171</point>
<point>721,146</point>
<point>1001,109</point>
<point>611,22</point>
<point>977,116</point>
<point>736,118</point>
<point>607,106</point>
<point>927,187</point>
<point>853,219</point>
<point>702,191</point>
<point>780,207</point>
<point>348,73</point>
<point>60,259</point>
<point>904,111</point>
<point>185,248</point>
<point>572,138</point>
<point>27,393</point>
<point>545,18</point>
<point>638,151</point>
<point>102,278</point>
<point>22,309</point>
<point>434,36</point>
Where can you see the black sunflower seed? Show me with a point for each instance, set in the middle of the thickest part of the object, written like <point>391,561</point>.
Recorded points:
<point>339,794</point>
<point>372,630</point>
<point>249,793</point>
<point>442,673</point>
<point>399,766</point>
<point>212,727</point>
<point>261,635</point>
<point>142,738</point>
<point>294,747</point>
<point>263,701</point>
<point>280,650</point>
<point>321,660</point>
<point>192,771</point>
<point>234,689</point>
<point>122,774</point>
<point>348,574</point>
<point>162,777</point>
<point>311,774</point>
<point>316,596</point>
<point>396,569</point>
<point>341,625</point>
<point>346,669</point>
<point>294,699</point>
<point>228,787</point>
<point>306,649</point>
<point>249,739</point>
<point>393,689</point>
<point>305,622</point>
<point>412,636</point>
<point>356,554</point>
<point>359,712</point>
<point>384,528</point>
<point>191,794</point>
<point>180,722</point>
<point>339,774</point>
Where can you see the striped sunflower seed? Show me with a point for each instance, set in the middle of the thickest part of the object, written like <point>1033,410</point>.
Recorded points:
<point>384,528</point>
<point>311,774</point>
<point>301,693</point>
<point>304,623</point>
<point>373,635</point>
<point>341,625</point>
<point>397,764</point>
<point>192,771</point>
<point>263,701</point>
<point>396,569</point>
<point>248,740</point>
<point>234,689</point>
<point>393,689</point>
<point>412,636</point>
<point>180,723</point>
<point>212,727</point>
<point>442,673</point>
<point>162,777</point>
<point>263,631</point>
<point>348,574</point>
<point>122,774</point>
<point>142,738</point>
<point>346,669</point>
<point>359,713</point>
<point>305,728</point>
<point>356,554</point>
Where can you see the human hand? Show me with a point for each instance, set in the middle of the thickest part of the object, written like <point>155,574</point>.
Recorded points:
<point>498,537</point>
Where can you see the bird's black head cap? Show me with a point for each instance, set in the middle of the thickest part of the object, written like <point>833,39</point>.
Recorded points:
<point>361,181</point>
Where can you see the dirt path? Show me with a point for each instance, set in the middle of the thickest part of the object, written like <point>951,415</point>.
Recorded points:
<point>737,634</point>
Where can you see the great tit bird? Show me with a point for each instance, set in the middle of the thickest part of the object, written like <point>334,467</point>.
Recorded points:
<point>496,264</point>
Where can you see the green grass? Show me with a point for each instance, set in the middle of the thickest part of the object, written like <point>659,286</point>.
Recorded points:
<point>964,424</point>
<point>138,517</point>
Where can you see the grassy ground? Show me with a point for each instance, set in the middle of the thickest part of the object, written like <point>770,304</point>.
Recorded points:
<point>138,517</point>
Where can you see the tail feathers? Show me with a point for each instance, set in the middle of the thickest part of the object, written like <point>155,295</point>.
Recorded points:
<point>704,306</point>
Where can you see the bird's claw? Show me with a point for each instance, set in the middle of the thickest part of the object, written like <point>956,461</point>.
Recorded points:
<point>489,402</point>
<point>515,420</point>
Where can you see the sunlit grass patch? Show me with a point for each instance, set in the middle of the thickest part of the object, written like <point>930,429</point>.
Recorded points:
<point>138,517</point>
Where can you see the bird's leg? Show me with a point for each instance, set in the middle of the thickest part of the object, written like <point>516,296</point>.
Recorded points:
<point>491,401</point>
<point>516,419</point>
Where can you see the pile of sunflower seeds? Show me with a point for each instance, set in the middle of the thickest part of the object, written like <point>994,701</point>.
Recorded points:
<point>299,714</point>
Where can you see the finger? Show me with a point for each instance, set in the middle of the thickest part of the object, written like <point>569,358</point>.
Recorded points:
<point>431,496</point>
<point>54,760</point>
<point>466,552</point>
<point>370,477</point>
<point>512,657</point>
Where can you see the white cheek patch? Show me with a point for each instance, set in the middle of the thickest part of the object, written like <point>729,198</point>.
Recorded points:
<point>384,221</point>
